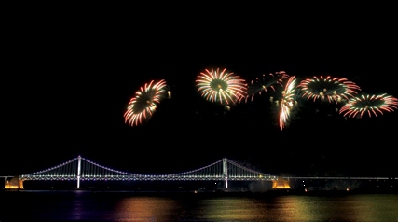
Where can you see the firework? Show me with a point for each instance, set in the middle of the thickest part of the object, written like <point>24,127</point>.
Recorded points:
<point>223,87</point>
<point>328,88</point>
<point>371,104</point>
<point>267,82</point>
<point>144,104</point>
<point>287,101</point>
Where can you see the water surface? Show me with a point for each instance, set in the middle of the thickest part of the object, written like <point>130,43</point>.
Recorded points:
<point>81,205</point>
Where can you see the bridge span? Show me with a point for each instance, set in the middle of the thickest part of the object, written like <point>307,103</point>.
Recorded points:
<point>80,170</point>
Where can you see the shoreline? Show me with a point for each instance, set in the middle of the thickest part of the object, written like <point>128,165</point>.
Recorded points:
<point>216,192</point>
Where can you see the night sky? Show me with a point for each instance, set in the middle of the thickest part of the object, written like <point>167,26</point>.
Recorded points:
<point>70,77</point>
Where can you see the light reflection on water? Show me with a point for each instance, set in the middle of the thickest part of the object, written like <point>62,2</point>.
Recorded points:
<point>148,209</point>
<point>109,206</point>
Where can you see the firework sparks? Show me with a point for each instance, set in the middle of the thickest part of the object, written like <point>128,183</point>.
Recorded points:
<point>267,82</point>
<point>144,104</point>
<point>223,87</point>
<point>328,88</point>
<point>371,104</point>
<point>287,101</point>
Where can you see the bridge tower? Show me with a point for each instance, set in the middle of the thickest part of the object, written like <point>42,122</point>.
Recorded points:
<point>225,171</point>
<point>79,161</point>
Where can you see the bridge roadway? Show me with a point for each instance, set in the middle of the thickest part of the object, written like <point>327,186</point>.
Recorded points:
<point>338,178</point>
<point>285,182</point>
<point>81,169</point>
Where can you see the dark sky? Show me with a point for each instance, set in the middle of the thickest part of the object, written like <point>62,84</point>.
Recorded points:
<point>70,76</point>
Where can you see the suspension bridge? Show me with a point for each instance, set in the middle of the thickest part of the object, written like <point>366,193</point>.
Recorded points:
<point>80,169</point>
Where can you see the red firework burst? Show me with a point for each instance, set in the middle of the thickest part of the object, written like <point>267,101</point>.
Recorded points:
<point>328,88</point>
<point>221,86</point>
<point>371,104</point>
<point>144,104</point>
<point>259,85</point>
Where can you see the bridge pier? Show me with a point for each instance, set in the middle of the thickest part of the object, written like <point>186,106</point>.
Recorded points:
<point>13,183</point>
<point>280,183</point>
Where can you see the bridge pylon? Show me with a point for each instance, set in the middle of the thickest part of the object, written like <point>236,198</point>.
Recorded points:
<point>78,173</point>
<point>225,172</point>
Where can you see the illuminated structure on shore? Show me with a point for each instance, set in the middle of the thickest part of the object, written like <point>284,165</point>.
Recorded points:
<point>80,169</point>
<point>225,171</point>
